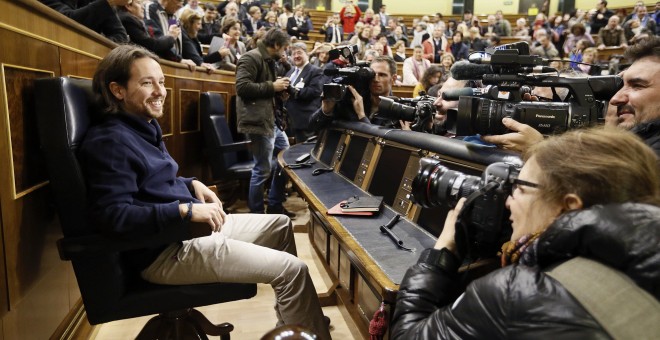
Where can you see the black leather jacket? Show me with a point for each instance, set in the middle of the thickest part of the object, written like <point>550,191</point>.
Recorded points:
<point>520,301</point>
<point>650,133</point>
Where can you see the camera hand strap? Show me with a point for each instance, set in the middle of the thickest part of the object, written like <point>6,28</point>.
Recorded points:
<point>463,242</point>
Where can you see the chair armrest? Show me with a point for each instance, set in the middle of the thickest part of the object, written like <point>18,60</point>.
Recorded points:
<point>72,248</point>
<point>233,147</point>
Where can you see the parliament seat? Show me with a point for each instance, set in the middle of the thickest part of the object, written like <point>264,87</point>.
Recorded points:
<point>110,289</point>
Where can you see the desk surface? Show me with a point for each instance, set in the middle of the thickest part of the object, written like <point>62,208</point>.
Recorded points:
<point>369,244</point>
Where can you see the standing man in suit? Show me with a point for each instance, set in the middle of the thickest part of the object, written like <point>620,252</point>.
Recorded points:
<point>253,22</point>
<point>384,17</point>
<point>305,96</point>
<point>334,32</point>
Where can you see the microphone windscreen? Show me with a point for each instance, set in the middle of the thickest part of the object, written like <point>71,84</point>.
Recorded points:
<point>468,71</point>
<point>454,94</point>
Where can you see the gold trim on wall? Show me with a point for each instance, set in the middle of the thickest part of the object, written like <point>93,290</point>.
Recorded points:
<point>77,77</point>
<point>41,38</point>
<point>203,79</point>
<point>16,195</point>
<point>181,112</point>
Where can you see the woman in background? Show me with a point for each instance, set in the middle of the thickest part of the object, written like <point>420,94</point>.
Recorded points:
<point>232,47</point>
<point>430,78</point>
<point>191,23</point>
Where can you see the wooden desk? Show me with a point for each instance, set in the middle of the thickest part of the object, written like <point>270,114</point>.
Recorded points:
<point>365,266</point>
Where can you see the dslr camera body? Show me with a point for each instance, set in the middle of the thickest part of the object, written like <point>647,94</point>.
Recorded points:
<point>358,75</point>
<point>484,220</point>
<point>419,110</point>
<point>509,70</point>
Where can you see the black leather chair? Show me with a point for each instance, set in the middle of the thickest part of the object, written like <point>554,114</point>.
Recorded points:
<point>229,158</point>
<point>110,291</point>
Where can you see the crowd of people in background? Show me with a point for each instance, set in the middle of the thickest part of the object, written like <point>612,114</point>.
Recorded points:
<point>264,44</point>
<point>176,31</point>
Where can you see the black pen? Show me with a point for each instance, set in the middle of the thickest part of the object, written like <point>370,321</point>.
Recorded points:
<point>393,221</point>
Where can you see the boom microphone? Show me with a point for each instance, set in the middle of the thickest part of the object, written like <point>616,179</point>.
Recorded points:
<point>468,71</point>
<point>454,94</point>
<point>489,91</point>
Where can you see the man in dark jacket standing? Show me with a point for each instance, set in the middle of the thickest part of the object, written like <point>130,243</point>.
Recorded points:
<point>260,117</point>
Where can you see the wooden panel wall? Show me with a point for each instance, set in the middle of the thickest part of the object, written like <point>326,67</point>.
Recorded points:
<point>38,290</point>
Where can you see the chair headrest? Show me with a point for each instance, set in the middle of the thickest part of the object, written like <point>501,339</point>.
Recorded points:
<point>71,104</point>
<point>212,104</point>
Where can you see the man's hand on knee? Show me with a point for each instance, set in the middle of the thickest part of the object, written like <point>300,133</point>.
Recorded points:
<point>209,213</point>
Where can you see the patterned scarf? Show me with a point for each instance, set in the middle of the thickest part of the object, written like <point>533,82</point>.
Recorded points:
<point>513,251</point>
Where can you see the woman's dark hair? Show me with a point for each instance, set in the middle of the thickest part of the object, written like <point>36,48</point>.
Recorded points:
<point>579,28</point>
<point>116,67</point>
<point>275,37</point>
<point>428,74</point>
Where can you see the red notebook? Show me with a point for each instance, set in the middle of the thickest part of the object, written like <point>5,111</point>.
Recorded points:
<point>336,210</point>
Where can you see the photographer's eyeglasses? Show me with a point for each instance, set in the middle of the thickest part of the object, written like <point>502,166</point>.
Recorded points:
<point>516,182</point>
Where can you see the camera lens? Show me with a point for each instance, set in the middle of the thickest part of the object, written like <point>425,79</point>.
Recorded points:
<point>436,184</point>
<point>390,109</point>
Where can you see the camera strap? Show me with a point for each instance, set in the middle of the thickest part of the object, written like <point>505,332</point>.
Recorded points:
<point>464,241</point>
<point>621,307</point>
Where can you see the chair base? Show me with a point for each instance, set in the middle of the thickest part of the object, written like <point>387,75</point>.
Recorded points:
<point>183,325</point>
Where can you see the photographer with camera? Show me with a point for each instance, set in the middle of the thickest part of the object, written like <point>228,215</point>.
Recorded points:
<point>364,107</point>
<point>585,207</point>
<point>637,103</point>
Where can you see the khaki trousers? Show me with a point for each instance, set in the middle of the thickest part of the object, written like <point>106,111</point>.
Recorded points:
<point>251,248</point>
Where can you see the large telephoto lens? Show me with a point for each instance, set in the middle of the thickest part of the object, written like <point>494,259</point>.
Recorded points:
<point>436,185</point>
<point>390,109</point>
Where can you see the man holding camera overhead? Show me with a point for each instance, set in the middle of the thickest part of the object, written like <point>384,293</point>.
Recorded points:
<point>364,109</point>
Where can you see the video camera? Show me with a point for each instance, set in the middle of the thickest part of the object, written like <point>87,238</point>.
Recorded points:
<point>358,75</point>
<point>419,110</point>
<point>511,69</point>
<point>484,220</point>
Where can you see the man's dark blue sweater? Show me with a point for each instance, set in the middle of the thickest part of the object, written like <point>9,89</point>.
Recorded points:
<point>133,188</point>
